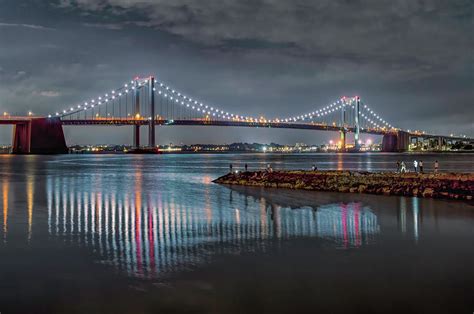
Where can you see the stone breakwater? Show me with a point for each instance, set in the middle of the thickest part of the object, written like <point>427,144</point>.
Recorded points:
<point>442,185</point>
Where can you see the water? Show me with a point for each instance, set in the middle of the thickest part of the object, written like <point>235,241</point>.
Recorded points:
<point>144,234</point>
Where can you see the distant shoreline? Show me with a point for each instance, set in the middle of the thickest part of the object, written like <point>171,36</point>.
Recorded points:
<point>164,152</point>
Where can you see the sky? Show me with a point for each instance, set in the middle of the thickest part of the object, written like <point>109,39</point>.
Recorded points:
<point>411,60</point>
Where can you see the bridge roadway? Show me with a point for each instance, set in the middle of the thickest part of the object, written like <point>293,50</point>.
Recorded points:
<point>14,120</point>
<point>203,122</point>
<point>282,125</point>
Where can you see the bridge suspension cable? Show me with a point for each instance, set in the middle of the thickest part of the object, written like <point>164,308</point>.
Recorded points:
<point>100,100</point>
<point>174,103</point>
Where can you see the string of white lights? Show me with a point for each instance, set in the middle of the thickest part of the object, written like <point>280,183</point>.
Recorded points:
<point>375,119</point>
<point>331,108</point>
<point>198,106</point>
<point>100,100</point>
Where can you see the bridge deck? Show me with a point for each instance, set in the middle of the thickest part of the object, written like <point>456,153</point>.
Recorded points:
<point>14,120</point>
<point>195,122</point>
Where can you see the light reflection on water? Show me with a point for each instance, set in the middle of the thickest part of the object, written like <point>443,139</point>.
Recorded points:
<point>5,190</point>
<point>154,234</point>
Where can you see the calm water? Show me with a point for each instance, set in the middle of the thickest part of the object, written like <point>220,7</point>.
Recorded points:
<point>147,234</point>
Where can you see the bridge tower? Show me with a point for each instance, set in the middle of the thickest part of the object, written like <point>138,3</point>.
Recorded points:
<point>136,127</point>
<point>343,129</point>
<point>151,128</point>
<point>357,124</point>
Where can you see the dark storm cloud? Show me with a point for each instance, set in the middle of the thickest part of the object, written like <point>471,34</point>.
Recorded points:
<point>411,60</point>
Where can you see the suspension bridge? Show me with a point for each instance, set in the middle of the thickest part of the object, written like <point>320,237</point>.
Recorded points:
<point>147,102</point>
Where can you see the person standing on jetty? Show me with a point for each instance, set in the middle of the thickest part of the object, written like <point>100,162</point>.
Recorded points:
<point>314,168</point>
<point>421,166</point>
<point>403,167</point>
<point>398,166</point>
<point>269,168</point>
<point>230,168</point>
<point>246,167</point>
<point>436,166</point>
<point>415,165</point>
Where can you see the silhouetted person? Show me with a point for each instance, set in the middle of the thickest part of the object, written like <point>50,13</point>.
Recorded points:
<point>436,166</point>
<point>398,165</point>
<point>421,166</point>
<point>403,167</point>
<point>269,168</point>
<point>246,167</point>
<point>230,168</point>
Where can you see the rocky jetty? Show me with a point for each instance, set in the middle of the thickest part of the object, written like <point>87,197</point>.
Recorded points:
<point>441,185</point>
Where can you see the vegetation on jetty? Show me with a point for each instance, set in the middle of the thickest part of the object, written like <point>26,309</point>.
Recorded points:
<point>441,185</point>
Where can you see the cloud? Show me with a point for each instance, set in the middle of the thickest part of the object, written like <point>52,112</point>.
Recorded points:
<point>109,26</point>
<point>421,38</point>
<point>19,76</point>
<point>30,26</point>
<point>49,93</point>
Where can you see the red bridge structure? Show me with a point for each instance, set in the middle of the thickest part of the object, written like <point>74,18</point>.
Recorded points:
<point>36,135</point>
<point>146,102</point>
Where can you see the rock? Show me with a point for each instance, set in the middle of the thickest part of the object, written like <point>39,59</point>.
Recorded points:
<point>428,192</point>
<point>299,184</point>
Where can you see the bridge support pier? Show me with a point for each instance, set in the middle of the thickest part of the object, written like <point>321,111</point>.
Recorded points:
<point>440,143</point>
<point>343,140</point>
<point>396,142</point>
<point>39,136</point>
<point>21,138</point>
<point>136,136</point>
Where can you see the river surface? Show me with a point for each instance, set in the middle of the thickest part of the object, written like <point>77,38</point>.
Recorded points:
<point>153,234</point>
